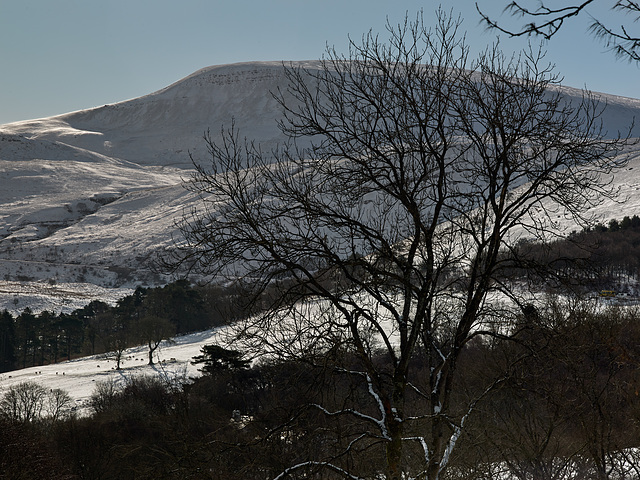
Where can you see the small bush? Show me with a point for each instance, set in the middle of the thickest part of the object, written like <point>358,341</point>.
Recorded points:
<point>139,396</point>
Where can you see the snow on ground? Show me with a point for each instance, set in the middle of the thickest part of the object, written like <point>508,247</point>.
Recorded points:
<point>102,188</point>
<point>79,377</point>
<point>55,297</point>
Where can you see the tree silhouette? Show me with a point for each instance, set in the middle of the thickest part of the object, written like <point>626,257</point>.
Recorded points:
<point>546,21</point>
<point>374,236</point>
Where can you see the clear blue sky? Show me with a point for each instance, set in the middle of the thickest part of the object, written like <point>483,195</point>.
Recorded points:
<point>58,56</point>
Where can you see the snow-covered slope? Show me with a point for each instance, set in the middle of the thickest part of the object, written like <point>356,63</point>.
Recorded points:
<point>90,196</point>
<point>161,128</point>
<point>62,205</point>
<point>79,377</point>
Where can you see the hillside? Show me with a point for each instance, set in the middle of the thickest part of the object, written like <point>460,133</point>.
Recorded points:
<point>90,196</point>
<point>384,326</point>
<point>79,376</point>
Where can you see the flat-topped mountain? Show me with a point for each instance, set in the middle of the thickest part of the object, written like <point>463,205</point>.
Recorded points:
<point>90,196</point>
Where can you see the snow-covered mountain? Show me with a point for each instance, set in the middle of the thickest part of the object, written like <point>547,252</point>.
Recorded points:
<point>161,128</point>
<point>89,196</point>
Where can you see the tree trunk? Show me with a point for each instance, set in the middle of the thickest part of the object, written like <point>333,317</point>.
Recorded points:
<point>394,451</point>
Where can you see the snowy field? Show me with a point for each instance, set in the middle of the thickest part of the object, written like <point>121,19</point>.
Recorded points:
<point>79,377</point>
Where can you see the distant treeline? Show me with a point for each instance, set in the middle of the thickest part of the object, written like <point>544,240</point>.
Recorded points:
<point>148,316</point>
<point>603,256</point>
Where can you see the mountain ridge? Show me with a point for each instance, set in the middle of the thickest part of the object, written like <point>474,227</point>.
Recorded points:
<point>159,129</point>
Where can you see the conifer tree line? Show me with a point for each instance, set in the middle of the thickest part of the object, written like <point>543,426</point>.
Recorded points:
<point>147,316</point>
<point>605,255</point>
<point>611,252</point>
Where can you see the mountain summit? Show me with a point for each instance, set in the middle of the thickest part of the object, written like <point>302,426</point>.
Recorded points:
<point>160,129</point>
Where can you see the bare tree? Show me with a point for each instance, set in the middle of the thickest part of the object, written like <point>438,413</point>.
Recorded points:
<point>59,405</point>
<point>116,335</point>
<point>24,402</point>
<point>29,402</point>
<point>153,330</point>
<point>546,21</point>
<point>378,229</point>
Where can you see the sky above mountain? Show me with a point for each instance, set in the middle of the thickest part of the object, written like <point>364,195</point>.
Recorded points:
<point>68,55</point>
